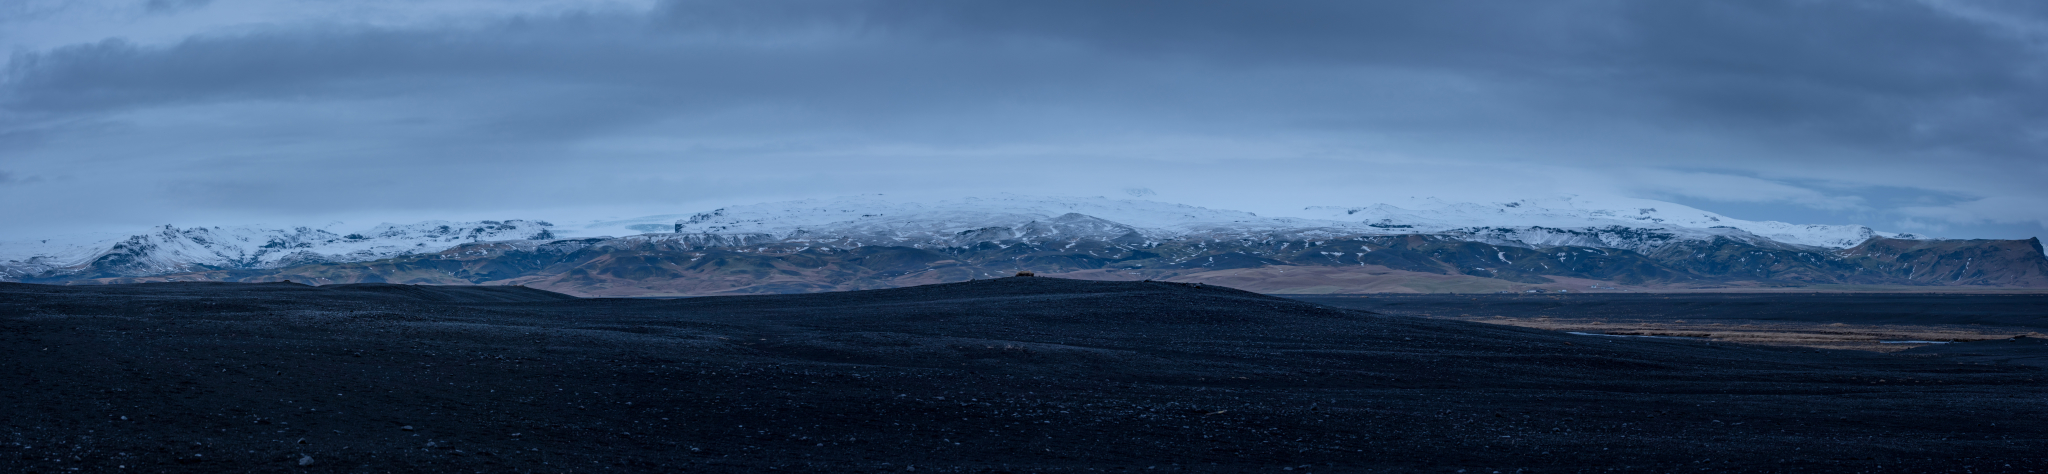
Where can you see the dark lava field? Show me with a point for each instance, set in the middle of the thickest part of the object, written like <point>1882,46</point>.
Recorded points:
<point>1007,375</point>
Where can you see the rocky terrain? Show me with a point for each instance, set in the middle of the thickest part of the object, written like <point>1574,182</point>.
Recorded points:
<point>869,243</point>
<point>1003,375</point>
<point>170,250</point>
<point>681,264</point>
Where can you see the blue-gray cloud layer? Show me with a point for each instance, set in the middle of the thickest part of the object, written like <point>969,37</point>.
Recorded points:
<point>1924,115</point>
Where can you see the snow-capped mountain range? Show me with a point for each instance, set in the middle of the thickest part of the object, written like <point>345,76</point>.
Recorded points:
<point>1572,212</point>
<point>1643,226</point>
<point>1565,220</point>
<point>169,249</point>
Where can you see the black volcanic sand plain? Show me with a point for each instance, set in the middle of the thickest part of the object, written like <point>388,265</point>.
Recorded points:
<point>1008,375</point>
<point>1875,322</point>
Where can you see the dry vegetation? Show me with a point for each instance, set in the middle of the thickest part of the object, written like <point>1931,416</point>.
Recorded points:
<point>1868,337</point>
<point>1816,320</point>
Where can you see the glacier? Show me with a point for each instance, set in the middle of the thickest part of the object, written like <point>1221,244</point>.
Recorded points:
<point>170,249</point>
<point>1640,225</point>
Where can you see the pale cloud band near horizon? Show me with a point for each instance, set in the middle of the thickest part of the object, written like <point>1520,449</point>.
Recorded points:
<point>1914,116</point>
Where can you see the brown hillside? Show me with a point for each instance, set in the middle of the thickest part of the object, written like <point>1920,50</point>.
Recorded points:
<point>2015,263</point>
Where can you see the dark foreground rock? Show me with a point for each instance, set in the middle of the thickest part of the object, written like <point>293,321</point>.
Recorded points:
<point>1010,375</point>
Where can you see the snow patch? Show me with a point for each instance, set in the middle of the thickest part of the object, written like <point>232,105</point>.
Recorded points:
<point>170,249</point>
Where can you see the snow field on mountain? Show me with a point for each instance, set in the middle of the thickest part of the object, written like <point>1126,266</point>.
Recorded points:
<point>1433,215</point>
<point>1638,225</point>
<point>875,214</point>
<point>169,248</point>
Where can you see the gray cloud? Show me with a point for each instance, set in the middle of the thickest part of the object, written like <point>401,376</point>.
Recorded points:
<point>9,178</point>
<point>173,6</point>
<point>1780,109</point>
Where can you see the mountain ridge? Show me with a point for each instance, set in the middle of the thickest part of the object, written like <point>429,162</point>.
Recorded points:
<point>169,249</point>
<point>866,242</point>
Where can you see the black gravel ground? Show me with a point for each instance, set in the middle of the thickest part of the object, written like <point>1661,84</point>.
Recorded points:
<point>2017,311</point>
<point>1010,375</point>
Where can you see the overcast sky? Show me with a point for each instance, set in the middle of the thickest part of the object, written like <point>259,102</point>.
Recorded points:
<point>1921,116</point>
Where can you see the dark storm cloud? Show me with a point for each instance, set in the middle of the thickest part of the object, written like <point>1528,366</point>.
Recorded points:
<point>1892,74</point>
<point>1826,105</point>
<point>1883,74</point>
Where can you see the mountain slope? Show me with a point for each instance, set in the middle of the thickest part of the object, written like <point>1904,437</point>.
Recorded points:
<point>869,242</point>
<point>168,249</point>
<point>1577,212</point>
<point>1952,262</point>
<point>660,265</point>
